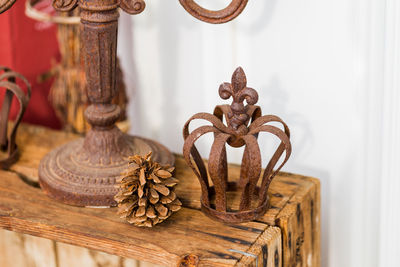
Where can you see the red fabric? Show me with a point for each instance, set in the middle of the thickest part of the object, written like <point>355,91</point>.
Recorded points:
<point>30,48</point>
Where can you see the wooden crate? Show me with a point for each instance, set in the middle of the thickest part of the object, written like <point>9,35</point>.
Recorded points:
<point>287,235</point>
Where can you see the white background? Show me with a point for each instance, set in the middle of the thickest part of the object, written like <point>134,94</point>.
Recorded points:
<point>328,68</point>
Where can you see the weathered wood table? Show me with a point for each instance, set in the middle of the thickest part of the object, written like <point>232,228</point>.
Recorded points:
<point>287,235</point>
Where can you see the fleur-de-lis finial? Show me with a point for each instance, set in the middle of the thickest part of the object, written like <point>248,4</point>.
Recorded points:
<point>239,91</point>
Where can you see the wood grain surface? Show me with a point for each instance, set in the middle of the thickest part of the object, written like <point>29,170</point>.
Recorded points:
<point>287,235</point>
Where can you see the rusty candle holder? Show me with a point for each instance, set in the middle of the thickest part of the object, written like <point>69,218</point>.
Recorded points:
<point>68,91</point>
<point>244,124</point>
<point>84,172</point>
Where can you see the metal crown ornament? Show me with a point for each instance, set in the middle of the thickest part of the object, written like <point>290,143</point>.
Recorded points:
<point>243,125</point>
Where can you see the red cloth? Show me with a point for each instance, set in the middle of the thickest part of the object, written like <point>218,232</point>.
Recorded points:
<point>30,47</point>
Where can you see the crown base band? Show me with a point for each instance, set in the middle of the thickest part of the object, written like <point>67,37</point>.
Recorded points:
<point>234,217</point>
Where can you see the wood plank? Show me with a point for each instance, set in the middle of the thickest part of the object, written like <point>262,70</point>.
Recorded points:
<point>299,222</point>
<point>35,251</point>
<point>264,252</point>
<point>287,192</point>
<point>315,213</point>
<point>26,209</point>
<point>35,142</point>
<point>69,255</point>
<point>19,250</point>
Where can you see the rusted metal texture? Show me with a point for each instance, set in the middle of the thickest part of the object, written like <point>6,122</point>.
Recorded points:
<point>84,172</point>
<point>68,91</point>
<point>220,16</point>
<point>5,5</point>
<point>243,125</point>
<point>8,81</point>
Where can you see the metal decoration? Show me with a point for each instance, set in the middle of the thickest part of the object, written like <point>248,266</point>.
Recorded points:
<point>5,5</point>
<point>221,16</point>
<point>243,125</point>
<point>84,172</point>
<point>7,141</point>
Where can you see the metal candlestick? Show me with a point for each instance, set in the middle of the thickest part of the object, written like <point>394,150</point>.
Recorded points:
<point>83,172</point>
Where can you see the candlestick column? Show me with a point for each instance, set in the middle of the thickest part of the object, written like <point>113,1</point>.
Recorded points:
<point>84,172</point>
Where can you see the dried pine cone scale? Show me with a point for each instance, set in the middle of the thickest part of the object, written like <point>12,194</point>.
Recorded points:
<point>147,194</point>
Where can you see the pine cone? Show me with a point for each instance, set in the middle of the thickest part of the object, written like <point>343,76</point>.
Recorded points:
<point>147,195</point>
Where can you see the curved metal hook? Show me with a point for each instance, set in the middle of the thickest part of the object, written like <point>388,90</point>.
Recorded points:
<point>64,5</point>
<point>132,7</point>
<point>5,5</point>
<point>216,17</point>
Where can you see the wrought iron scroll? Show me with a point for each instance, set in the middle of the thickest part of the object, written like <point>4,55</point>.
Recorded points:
<point>216,17</point>
<point>5,5</point>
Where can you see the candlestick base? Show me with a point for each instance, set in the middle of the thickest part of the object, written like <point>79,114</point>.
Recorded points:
<point>84,172</point>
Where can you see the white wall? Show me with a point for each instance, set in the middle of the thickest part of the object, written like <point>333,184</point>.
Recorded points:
<point>328,68</point>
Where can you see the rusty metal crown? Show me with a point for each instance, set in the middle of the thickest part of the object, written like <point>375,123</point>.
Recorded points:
<point>243,125</point>
<point>11,81</point>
